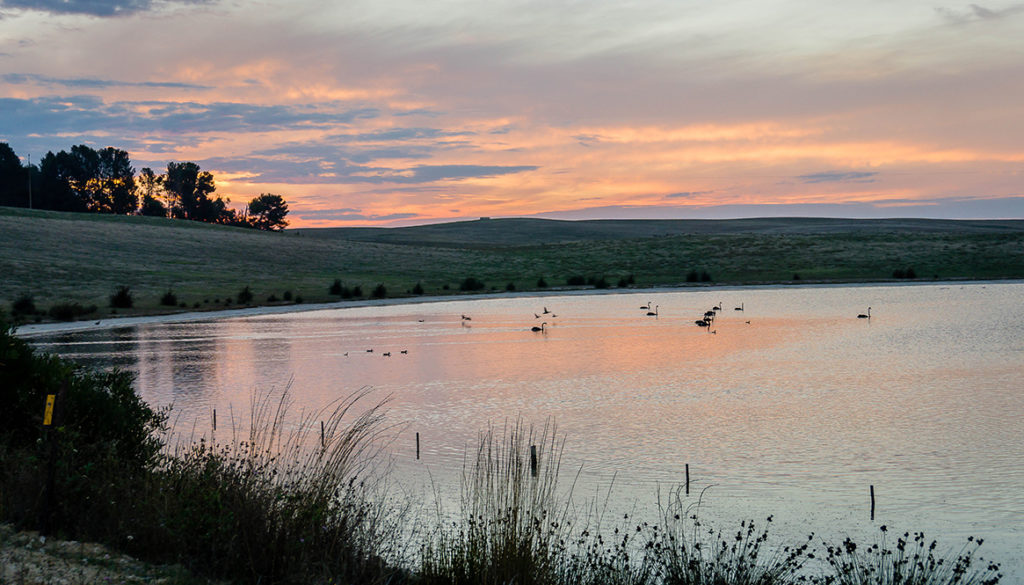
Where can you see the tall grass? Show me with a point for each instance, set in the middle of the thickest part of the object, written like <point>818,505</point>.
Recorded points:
<point>510,527</point>
<point>911,561</point>
<point>276,504</point>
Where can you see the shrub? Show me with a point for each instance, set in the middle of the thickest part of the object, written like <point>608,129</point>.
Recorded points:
<point>336,288</point>
<point>287,295</point>
<point>70,311</point>
<point>704,276</point>
<point>510,286</point>
<point>541,283</point>
<point>576,280</point>
<point>418,289</point>
<point>298,299</point>
<point>23,306</point>
<point>169,299</point>
<point>272,298</point>
<point>122,299</point>
<point>796,276</point>
<point>600,282</point>
<point>106,432</point>
<point>357,291</point>
<point>244,296</point>
<point>379,291</point>
<point>471,284</point>
<point>692,276</point>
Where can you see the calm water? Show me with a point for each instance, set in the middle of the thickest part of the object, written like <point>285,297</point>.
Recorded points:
<point>794,414</point>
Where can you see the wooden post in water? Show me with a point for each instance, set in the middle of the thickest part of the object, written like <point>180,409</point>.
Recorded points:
<point>872,503</point>
<point>417,446</point>
<point>687,479</point>
<point>533,460</point>
<point>323,440</point>
<point>215,419</point>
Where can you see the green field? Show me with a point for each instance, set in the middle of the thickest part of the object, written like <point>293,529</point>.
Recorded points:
<point>62,257</point>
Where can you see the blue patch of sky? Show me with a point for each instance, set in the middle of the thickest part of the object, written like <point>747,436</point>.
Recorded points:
<point>102,8</point>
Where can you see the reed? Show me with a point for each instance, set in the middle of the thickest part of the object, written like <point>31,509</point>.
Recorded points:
<point>912,560</point>
<point>274,504</point>
<point>511,526</point>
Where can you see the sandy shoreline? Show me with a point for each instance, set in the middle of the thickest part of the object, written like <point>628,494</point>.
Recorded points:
<point>33,329</point>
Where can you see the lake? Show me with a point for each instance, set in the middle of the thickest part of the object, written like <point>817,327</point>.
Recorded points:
<point>793,406</point>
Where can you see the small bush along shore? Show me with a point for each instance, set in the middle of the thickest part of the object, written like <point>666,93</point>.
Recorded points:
<point>291,501</point>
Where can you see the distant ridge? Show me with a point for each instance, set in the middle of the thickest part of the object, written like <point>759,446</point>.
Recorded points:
<point>531,231</point>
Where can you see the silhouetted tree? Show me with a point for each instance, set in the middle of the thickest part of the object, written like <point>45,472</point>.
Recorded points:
<point>268,211</point>
<point>117,192</point>
<point>151,184</point>
<point>62,180</point>
<point>189,189</point>
<point>13,178</point>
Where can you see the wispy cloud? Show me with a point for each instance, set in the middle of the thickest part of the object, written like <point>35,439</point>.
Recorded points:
<point>839,177</point>
<point>352,215</point>
<point>91,7</point>
<point>89,83</point>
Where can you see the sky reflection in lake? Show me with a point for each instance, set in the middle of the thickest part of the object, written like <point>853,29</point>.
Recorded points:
<point>795,413</point>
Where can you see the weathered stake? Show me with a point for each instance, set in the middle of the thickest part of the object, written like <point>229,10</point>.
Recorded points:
<point>417,446</point>
<point>687,479</point>
<point>215,419</point>
<point>323,441</point>
<point>872,502</point>
<point>533,460</point>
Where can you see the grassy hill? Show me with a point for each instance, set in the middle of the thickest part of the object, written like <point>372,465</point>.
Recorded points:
<point>529,231</point>
<point>61,257</point>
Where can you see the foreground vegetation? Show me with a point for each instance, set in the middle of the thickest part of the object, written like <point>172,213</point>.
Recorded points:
<point>285,503</point>
<point>77,262</point>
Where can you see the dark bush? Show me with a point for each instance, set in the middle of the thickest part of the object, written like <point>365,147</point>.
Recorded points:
<point>357,291</point>
<point>510,286</point>
<point>336,288</point>
<point>70,311</point>
<point>272,298</point>
<point>287,295</point>
<point>576,280</point>
<point>704,276</point>
<point>541,283</point>
<point>796,276</point>
<point>470,284</point>
<point>380,291</point>
<point>122,299</point>
<point>169,299</point>
<point>418,289</point>
<point>244,296</point>
<point>23,306</point>
<point>106,432</point>
<point>692,276</point>
<point>600,282</point>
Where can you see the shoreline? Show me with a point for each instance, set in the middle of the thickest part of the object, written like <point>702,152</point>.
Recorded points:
<point>37,329</point>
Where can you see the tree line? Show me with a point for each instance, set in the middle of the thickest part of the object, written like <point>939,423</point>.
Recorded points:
<point>103,181</point>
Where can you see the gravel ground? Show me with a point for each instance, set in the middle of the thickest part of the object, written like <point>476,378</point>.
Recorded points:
<point>27,558</point>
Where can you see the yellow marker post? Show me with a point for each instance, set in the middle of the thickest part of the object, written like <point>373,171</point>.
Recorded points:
<point>48,417</point>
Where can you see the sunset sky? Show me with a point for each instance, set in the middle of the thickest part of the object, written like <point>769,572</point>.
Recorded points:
<point>397,112</point>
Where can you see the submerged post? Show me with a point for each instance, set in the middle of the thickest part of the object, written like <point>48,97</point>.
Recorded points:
<point>323,440</point>
<point>533,460</point>
<point>687,479</point>
<point>872,502</point>
<point>215,419</point>
<point>417,446</point>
